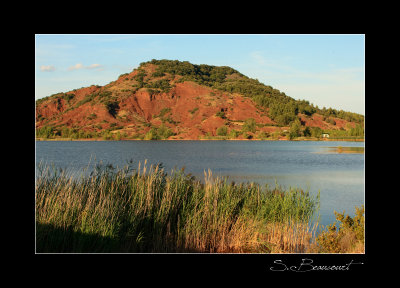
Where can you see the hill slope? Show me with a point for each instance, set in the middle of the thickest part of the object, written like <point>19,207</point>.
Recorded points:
<point>164,99</point>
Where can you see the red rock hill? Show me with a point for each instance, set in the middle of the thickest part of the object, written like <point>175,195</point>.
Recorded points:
<point>187,109</point>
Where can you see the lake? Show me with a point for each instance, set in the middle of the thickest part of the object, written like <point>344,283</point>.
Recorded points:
<point>334,168</point>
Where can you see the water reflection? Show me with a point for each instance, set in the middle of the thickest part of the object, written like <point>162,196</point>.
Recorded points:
<point>341,149</point>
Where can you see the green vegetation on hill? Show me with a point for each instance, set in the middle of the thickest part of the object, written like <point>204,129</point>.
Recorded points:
<point>66,96</point>
<point>160,133</point>
<point>353,133</point>
<point>282,108</point>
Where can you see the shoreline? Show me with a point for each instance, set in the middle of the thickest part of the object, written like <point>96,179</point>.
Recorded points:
<point>127,139</point>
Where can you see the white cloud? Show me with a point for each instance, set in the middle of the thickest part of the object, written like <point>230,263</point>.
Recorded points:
<point>81,66</point>
<point>94,66</point>
<point>76,67</point>
<point>47,68</point>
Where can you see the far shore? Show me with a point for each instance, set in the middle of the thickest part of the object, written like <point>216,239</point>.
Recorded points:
<point>129,139</point>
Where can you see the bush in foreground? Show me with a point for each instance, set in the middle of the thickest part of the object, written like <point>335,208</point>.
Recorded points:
<point>347,237</point>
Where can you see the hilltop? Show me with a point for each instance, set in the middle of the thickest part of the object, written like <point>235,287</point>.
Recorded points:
<point>169,99</point>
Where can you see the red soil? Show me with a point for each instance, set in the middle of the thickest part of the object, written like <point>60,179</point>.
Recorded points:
<point>190,110</point>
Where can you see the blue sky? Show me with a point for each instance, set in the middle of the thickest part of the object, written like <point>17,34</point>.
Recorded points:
<point>327,70</point>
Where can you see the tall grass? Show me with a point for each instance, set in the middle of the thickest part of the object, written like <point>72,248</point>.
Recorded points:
<point>148,210</point>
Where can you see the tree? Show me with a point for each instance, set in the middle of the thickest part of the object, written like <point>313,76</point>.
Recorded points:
<point>307,132</point>
<point>118,136</point>
<point>164,132</point>
<point>357,131</point>
<point>263,135</point>
<point>316,132</point>
<point>295,129</point>
<point>233,133</point>
<point>65,132</point>
<point>151,135</point>
<point>249,125</point>
<point>45,132</point>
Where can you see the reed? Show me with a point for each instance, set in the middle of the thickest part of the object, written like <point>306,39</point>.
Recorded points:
<point>147,210</point>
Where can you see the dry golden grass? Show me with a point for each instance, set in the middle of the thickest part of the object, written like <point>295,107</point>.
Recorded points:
<point>150,211</point>
<point>291,237</point>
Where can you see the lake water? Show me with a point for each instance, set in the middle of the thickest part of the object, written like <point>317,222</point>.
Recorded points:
<point>310,165</point>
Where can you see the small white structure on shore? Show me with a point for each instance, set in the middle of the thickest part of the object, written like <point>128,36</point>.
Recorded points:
<point>325,135</point>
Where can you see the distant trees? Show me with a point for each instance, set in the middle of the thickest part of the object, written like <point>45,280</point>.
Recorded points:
<point>316,132</point>
<point>233,133</point>
<point>304,107</point>
<point>158,74</point>
<point>307,132</point>
<point>348,116</point>
<point>45,132</point>
<point>139,77</point>
<point>164,132</point>
<point>162,84</point>
<point>160,133</point>
<point>203,74</point>
<point>295,129</point>
<point>263,135</point>
<point>357,131</point>
<point>330,121</point>
<point>284,119</point>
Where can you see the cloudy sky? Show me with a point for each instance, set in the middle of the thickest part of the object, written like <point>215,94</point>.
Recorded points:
<point>327,70</point>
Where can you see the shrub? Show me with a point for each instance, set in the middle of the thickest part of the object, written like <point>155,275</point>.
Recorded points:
<point>221,114</point>
<point>158,74</point>
<point>307,132</point>
<point>163,112</point>
<point>92,116</point>
<point>330,121</point>
<point>112,107</point>
<point>249,125</point>
<point>222,131</point>
<point>347,238</point>
<point>160,133</point>
<point>233,133</point>
<point>162,84</point>
<point>194,110</point>
<point>164,132</point>
<point>106,135</point>
<point>263,135</point>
